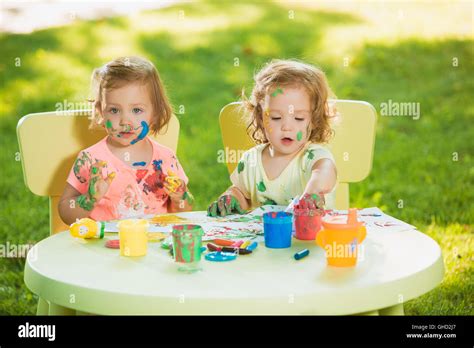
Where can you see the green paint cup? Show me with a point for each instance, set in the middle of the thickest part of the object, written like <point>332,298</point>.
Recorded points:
<point>187,241</point>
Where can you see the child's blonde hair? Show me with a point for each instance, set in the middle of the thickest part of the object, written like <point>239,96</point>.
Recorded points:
<point>281,73</point>
<point>123,70</point>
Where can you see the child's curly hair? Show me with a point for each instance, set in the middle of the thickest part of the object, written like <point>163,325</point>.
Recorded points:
<point>280,73</point>
<point>125,70</point>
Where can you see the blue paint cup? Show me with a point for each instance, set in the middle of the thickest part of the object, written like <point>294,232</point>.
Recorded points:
<point>277,228</point>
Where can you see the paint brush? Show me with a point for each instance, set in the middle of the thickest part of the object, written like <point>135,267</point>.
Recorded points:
<point>293,202</point>
<point>240,251</point>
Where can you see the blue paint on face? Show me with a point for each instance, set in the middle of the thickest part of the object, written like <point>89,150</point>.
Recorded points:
<point>139,164</point>
<point>142,134</point>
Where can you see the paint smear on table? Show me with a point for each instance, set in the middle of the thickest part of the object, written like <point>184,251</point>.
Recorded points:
<point>164,220</point>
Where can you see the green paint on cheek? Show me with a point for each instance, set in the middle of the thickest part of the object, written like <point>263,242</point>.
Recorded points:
<point>299,135</point>
<point>108,124</point>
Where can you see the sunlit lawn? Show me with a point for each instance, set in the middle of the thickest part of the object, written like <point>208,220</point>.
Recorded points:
<point>414,159</point>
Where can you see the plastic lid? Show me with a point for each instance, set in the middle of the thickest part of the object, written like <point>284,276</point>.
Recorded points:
<point>220,256</point>
<point>342,222</point>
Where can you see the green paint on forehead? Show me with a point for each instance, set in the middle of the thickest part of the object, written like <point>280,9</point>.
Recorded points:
<point>278,90</point>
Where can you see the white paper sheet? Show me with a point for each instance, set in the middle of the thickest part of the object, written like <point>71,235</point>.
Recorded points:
<point>248,226</point>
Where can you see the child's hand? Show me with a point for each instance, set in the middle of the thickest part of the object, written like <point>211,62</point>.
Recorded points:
<point>311,201</point>
<point>98,186</point>
<point>225,205</point>
<point>175,187</point>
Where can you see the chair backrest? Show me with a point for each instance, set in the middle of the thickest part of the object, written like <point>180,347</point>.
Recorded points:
<point>352,145</point>
<point>49,143</point>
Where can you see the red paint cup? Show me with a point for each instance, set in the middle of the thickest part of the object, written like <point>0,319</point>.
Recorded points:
<point>307,223</point>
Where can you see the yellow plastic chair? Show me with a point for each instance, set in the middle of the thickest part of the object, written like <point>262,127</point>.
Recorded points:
<point>352,145</point>
<point>49,143</point>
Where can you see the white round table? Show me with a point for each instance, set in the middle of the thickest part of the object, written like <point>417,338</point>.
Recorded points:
<point>72,276</point>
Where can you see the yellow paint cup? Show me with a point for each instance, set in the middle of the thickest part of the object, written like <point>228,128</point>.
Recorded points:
<point>133,235</point>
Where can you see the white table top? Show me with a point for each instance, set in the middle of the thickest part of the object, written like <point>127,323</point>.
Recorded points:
<point>87,276</point>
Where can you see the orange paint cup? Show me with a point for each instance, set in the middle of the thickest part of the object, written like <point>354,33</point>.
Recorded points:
<point>340,238</point>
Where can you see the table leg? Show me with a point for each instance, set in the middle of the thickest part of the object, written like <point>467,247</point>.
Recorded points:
<point>43,307</point>
<point>393,310</point>
<point>55,309</point>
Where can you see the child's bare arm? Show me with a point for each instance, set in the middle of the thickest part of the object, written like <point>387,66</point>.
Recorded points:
<point>244,202</point>
<point>323,178</point>
<point>69,209</point>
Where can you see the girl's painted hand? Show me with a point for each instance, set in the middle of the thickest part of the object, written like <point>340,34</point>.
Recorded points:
<point>175,189</point>
<point>225,205</point>
<point>98,186</point>
<point>311,201</point>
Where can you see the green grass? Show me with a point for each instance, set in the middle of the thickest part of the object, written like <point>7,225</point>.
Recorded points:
<point>413,158</point>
